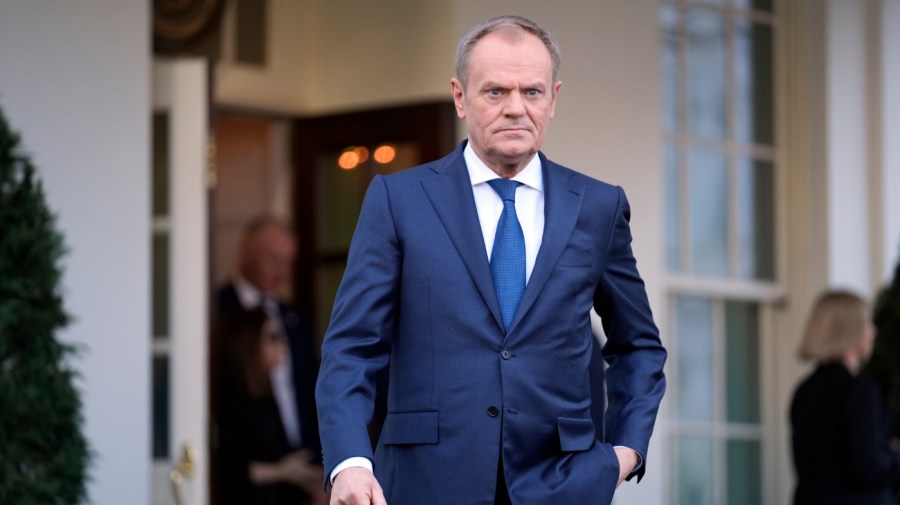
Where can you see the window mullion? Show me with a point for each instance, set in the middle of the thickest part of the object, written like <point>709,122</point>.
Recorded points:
<point>734,253</point>
<point>720,434</point>
<point>682,144</point>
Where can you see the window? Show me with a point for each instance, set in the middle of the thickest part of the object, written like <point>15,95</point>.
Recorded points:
<point>718,122</point>
<point>721,181</point>
<point>718,426</point>
<point>160,286</point>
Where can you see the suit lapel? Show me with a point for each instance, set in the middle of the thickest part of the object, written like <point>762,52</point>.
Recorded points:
<point>450,193</point>
<point>562,201</point>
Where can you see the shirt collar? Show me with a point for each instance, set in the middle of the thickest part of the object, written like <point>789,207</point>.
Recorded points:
<point>248,295</point>
<point>479,172</point>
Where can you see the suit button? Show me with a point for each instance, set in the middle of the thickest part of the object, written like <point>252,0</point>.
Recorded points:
<point>506,354</point>
<point>493,411</point>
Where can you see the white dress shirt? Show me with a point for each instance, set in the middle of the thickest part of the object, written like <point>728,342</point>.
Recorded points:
<point>282,376</point>
<point>529,204</point>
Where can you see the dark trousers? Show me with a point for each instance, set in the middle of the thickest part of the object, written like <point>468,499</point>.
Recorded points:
<point>501,496</point>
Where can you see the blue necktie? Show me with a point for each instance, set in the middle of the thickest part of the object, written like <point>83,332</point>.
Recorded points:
<point>508,254</point>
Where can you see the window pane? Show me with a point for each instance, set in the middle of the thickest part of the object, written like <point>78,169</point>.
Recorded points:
<point>250,27</point>
<point>160,407</point>
<point>695,470</point>
<point>760,5</point>
<point>753,83</point>
<point>340,191</point>
<point>706,73</point>
<point>744,473</point>
<point>756,219</point>
<point>160,285</point>
<point>673,210</point>
<point>742,362</point>
<point>404,155</point>
<point>709,213</point>
<point>160,164</point>
<point>695,363</point>
<point>668,18</point>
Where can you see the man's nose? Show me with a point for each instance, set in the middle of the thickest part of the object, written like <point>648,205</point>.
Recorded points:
<point>514,105</point>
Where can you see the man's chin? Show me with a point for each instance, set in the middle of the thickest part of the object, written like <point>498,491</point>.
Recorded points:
<point>514,154</point>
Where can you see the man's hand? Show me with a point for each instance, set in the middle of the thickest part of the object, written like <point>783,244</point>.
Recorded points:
<point>356,486</point>
<point>627,460</point>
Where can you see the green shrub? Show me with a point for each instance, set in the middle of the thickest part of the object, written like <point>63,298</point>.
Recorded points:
<point>43,454</point>
<point>884,366</point>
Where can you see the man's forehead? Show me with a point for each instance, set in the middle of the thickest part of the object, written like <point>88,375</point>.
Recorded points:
<point>502,68</point>
<point>273,236</point>
<point>526,49</point>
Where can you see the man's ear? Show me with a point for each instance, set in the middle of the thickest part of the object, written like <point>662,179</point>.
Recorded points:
<point>555,95</point>
<point>458,95</point>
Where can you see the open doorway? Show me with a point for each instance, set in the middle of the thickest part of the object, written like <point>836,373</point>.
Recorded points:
<point>329,189</point>
<point>288,167</point>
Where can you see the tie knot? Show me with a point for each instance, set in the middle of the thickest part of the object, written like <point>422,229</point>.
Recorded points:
<point>506,188</point>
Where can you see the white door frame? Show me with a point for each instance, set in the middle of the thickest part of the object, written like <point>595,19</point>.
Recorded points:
<point>180,88</point>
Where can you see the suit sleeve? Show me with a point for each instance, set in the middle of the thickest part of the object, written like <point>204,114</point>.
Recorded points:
<point>357,344</point>
<point>635,382</point>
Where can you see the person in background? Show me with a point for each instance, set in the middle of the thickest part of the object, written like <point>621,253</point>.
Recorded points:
<point>471,279</point>
<point>265,260</point>
<point>258,465</point>
<point>840,429</point>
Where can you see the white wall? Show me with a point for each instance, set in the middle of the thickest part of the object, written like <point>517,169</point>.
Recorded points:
<point>334,55</point>
<point>286,83</point>
<point>381,53</point>
<point>77,89</point>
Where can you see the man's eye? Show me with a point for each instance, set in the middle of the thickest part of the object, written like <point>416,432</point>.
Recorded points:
<point>533,92</point>
<point>494,92</point>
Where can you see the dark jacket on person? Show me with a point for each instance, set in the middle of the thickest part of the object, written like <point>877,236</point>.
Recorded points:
<point>840,441</point>
<point>250,429</point>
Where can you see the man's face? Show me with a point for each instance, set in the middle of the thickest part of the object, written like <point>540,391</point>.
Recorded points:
<point>509,99</point>
<point>270,260</point>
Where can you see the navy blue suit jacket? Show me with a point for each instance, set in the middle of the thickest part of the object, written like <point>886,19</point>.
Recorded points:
<point>417,296</point>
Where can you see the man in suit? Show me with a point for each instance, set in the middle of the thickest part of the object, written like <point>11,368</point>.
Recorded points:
<point>472,278</point>
<point>265,258</point>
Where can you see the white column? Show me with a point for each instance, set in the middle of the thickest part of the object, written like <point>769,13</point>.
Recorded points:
<point>889,65</point>
<point>846,144</point>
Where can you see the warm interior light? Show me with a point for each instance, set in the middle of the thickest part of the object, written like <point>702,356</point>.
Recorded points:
<point>363,153</point>
<point>385,154</point>
<point>349,160</point>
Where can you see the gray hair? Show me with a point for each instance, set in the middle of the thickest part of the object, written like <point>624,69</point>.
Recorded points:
<point>477,32</point>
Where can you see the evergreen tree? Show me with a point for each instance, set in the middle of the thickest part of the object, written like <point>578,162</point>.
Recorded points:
<point>884,366</point>
<point>43,454</point>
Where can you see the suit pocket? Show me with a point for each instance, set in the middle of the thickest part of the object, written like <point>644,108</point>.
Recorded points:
<point>576,434</point>
<point>413,427</point>
<point>574,256</point>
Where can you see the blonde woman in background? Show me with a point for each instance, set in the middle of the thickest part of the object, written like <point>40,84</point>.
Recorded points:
<point>841,430</point>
